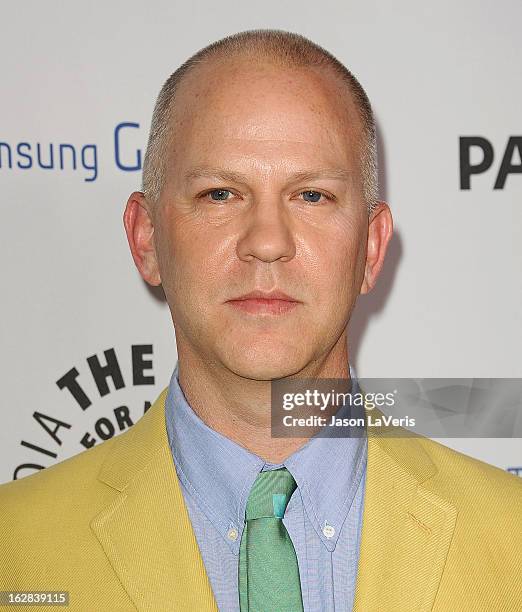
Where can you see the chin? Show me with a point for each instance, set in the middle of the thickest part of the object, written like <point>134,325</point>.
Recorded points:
<point>266,365</point>
<point>262,371</point>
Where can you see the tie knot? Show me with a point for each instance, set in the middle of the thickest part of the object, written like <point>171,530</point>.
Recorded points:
<point>270,494</point>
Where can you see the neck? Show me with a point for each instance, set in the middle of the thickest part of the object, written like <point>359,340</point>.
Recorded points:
<point>239,408</point>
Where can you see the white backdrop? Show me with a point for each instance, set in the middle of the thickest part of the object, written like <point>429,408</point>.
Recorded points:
<point>449,303</point>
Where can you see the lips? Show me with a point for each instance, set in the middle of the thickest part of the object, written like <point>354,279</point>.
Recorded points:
<point>265,295</point>
<point>261,302</point>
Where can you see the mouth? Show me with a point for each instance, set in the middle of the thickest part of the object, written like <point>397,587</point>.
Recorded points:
<point>264,303</point>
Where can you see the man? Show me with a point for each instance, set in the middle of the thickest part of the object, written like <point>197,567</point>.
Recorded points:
<point>259,218</point>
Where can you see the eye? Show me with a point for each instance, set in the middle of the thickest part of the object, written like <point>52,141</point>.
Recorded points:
<point>217,195</point>
<point>312,196</point>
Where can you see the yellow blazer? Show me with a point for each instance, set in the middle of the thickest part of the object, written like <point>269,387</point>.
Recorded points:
<point>441,531</point>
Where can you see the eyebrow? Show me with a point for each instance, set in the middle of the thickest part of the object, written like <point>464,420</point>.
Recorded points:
<point>229,175</point>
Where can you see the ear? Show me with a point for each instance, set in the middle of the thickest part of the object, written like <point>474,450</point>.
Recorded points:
<point>139,227</point>
<point>380,231</point>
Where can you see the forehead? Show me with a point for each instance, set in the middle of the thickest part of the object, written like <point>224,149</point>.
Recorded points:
<point>246,109</point>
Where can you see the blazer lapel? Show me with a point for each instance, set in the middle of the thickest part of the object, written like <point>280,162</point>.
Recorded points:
<point>145,531</point>
<point>406,531</point>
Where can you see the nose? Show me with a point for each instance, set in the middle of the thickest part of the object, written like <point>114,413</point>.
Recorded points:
<point>267,234</point>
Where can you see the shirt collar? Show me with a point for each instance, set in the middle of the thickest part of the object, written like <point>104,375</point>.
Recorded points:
<point>219,473</point>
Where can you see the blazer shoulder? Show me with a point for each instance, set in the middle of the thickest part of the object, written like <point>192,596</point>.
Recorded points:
<point>470,481</point>
<point>60,485</point>
<point>78,485</point>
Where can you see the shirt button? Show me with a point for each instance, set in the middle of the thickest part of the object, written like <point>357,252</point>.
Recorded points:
<point>232,534</point>
<point>328,531</point>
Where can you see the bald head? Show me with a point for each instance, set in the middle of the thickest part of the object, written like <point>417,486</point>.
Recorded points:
<point>273,48</point>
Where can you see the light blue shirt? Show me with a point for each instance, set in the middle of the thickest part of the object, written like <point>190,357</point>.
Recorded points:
<point>323,516</point>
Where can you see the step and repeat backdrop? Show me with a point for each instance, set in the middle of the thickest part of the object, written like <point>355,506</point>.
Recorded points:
<point>87,346</point>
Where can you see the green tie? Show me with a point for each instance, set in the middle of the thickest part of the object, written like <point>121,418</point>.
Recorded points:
<point>268,569</point>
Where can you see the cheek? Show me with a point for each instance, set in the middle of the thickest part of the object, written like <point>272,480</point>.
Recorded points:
<point>190,260</point>
<point>335,258</point>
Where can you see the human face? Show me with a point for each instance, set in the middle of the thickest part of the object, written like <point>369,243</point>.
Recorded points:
<point>263,193</point>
